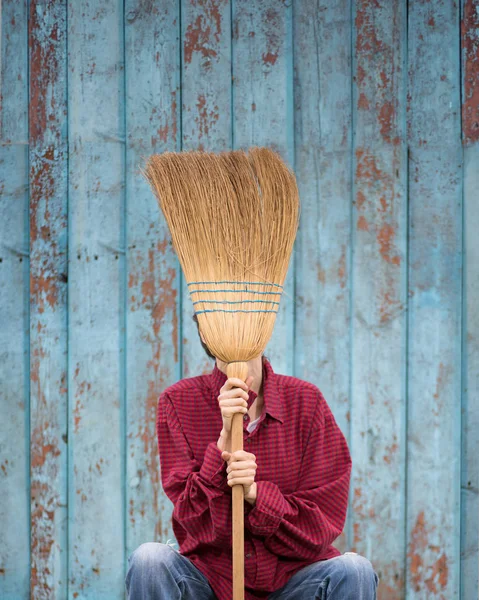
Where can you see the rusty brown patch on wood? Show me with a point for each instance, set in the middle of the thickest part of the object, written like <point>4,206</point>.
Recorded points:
<point>205,31</point>
<point>269,58</point>
<point>470,44</point>
<point>386,116</point>
<point>390,451</point>
<point>174,116</point>
<point>131,511</point>
<point>273,26</point>
<point>363,102</point>
<point>362,223</point>
<point>44,502</point>
<point>391,581</point>
<point>385,237</point>
<point>359,512</point>
<point>381,184</point>
<point>360,199</point>
<point>426,578</point>
<point>342,267</point>
<point>43,289</point>
<point>44,69</point>
<point>170,128</point>
<point>367,42</point>
<point>206,116</point>
<point>389,307</point>
<point>147,435</point>
<point>197,38</point>
<point>81,387</point>
<point>160,297</point>
<point>368,48</point>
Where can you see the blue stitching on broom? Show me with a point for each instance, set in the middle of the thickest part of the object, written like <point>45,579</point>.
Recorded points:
<point>239,282</point>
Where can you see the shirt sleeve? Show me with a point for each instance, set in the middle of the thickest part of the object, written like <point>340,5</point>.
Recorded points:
<point>200,492</point>
<point>304,523</point>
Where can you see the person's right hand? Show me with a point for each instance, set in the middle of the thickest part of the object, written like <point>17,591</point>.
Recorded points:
<point>232,399</point>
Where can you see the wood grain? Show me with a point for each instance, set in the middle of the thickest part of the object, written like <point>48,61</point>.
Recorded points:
<point>14,304</point>
<point>375,106</point>
<point>379,291</point>
<point>152,108</point>
<point>435,171</point>
<point>96,298</point>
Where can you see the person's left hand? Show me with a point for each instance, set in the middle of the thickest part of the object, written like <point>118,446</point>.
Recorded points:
<point>242,470</point>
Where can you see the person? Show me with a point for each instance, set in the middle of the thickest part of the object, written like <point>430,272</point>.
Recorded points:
<point>295,470</point>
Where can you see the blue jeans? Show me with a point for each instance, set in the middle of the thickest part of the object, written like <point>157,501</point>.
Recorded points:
<point>159,572</point>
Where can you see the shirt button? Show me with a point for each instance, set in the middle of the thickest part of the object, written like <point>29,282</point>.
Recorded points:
<point>248,555</point>
<point>245,417</point>
<point>248,439</point>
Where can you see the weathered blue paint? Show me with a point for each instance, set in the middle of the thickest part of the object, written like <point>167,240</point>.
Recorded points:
<point>378,284</point>
<point>322,135</point>
<point>48,337</point>
<point>14,305</point>
<point>97,367</point>
<point>152,107</point>
<point>366,102</point>
<point>433,468</point>
<point>470,293</point>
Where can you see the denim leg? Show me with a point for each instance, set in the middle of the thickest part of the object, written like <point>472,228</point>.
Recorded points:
<point>349,576</point>
<point>157,571</point>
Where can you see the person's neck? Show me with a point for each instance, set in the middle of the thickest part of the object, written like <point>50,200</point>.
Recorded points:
<point>255,368</point>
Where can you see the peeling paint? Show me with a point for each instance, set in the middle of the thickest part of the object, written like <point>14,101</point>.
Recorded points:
<point>391,581</point>
<point>269,58</point>
<point>385,239</point>
<point>470,45</point>
<point>362,223</point>
<point>201,35</point>
<point>426,576</point>
<point>206,116</point>
<point>369,175</point>
<point>342,267</point>
<point>44,37</point>
<point>378,81</point>
<point>391,450</point>
<point>442,382</point>
<point>386,116</point>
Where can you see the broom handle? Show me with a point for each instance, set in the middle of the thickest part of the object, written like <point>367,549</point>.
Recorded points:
<point>240,370</point>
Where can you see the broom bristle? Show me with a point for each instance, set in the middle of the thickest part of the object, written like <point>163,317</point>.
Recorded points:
<point>233,218</point>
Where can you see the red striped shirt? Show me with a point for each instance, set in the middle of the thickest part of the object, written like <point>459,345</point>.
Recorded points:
<point>303,476</point>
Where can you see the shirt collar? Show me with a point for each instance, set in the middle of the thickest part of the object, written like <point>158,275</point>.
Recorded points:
<point>272,401</point>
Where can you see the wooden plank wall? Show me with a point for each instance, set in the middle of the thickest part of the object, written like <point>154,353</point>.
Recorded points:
<point>376,107</point>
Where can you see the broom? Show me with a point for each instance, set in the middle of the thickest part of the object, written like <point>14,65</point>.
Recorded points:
<point>233,218</point>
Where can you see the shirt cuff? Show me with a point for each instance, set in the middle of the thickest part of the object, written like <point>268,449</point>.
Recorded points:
<point>213,469</point>
<point>266,515</point>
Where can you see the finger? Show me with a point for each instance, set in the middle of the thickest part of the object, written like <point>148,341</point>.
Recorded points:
<point>231,410</point>
<point>234,382</point>
<point>236,466</point>
<point>243,455</point>
<point>235,401</point>
<point>225,455</point>
<point>241,480</point>
<point>244,464</point>
<point>246,473</point>
<point>233,393</point>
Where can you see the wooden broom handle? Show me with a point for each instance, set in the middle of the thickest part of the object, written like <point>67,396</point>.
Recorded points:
<point>240,370</point>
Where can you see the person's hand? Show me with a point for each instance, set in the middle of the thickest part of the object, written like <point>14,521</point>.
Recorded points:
<point>232,399</point>
<point>242,470</point>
